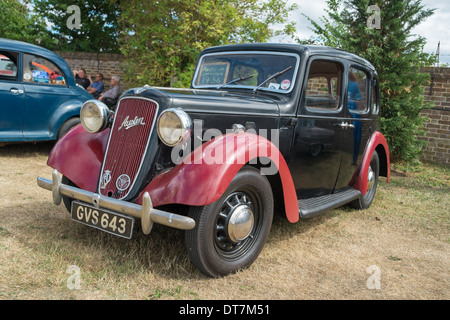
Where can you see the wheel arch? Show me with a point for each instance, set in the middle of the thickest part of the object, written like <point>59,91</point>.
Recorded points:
<point>89,149</point>
<point>196,183</point>
<point>377,143</point>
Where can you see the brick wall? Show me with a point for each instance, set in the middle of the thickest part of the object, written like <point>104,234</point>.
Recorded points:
<point>107,64</point>
<point>437,128</point>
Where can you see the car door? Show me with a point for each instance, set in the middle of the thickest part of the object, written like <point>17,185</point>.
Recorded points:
<point>46,89</point>
<point>11,97</point>
<point>319,137</point>
<point>360,122</point>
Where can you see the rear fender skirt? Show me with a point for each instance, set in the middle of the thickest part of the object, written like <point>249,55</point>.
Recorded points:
<point>377,142</point>
<point>204,175</point>
<point>79,155</point>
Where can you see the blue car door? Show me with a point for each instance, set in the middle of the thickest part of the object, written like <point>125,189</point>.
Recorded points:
<point>12,104</point>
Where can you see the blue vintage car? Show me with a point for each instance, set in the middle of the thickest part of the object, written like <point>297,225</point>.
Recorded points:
<point>39,99</point>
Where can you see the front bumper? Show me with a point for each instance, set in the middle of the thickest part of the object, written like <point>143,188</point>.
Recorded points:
<point>146,212</point>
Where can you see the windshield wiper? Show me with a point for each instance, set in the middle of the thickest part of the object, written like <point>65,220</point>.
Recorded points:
<point>272,77</point>
<point>234,80</point>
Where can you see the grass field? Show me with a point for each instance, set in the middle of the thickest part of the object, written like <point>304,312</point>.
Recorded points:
<point>402,244</point>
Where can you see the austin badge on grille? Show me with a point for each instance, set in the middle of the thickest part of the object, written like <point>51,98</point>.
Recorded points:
<point>123,182</point>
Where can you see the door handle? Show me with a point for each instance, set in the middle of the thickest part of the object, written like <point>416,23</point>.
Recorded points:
<point>345,125</point>
<point>16,91</point>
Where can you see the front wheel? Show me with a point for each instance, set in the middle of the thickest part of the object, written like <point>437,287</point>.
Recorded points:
<point>231,232</point>
<point>69,124</point>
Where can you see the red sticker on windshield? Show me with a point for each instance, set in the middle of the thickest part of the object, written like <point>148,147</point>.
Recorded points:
<point>285,84</point>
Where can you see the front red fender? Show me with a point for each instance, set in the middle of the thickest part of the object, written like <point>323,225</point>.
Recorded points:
<point>376,142</point>
<point>78,155</point>
<point>205,174</point>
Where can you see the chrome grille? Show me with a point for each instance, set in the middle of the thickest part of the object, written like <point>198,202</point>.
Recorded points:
<point>128,143</point>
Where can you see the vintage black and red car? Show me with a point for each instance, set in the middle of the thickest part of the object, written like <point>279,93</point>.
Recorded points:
<point>263,127</point>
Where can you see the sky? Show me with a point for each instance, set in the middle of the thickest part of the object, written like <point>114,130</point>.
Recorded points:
<point>435,29</point>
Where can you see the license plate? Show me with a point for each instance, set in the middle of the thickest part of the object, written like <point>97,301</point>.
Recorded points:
<point>108,221</point>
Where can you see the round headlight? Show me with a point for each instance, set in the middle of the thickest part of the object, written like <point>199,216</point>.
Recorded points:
<point>94,116</point>
<point>174,127</point>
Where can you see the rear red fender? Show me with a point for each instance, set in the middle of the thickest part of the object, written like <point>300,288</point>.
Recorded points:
<point>79,155</point>
<point>376,142</point>
<point>205,174</point>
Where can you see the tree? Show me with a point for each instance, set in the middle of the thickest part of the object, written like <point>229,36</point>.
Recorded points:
<point>17,23</point>
<point>162,39</point>
<point>82,25</point>
<point>396,53</point>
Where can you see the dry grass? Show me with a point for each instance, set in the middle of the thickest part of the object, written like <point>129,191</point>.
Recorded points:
<point>405,233</point>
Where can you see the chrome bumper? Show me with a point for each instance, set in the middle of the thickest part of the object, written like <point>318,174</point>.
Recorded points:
<point>146,212</point>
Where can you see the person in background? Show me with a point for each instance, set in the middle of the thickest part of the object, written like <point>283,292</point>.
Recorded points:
<point>96,87</point>
<point>80,78</point>
<point>111,96</point>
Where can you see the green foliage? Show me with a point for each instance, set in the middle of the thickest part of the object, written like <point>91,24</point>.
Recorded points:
<point>396,53</point>
<point>17,23</point>
<point>98,30</point>
<point>162,39</point>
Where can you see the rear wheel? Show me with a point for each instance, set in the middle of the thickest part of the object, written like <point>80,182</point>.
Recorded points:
<point>365,201</point>
<point>231,232</point>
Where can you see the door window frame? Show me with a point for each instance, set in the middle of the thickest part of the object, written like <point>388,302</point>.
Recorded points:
<point>65,85</point>
<point>368,90</point>
<point>304,110</point>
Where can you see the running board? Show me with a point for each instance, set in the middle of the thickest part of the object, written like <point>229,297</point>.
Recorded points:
<point>311,207</point>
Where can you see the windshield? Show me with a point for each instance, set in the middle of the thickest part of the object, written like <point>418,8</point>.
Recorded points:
<point>247,70</point>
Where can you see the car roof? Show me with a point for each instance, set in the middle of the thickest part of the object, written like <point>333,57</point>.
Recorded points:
<point>293,48</point>
<point>15,45</point>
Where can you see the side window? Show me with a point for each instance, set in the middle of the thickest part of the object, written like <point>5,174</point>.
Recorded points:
<point>357,91</point>
<point>323,89</point>
<point>8,65</point>
<point>41,71</point>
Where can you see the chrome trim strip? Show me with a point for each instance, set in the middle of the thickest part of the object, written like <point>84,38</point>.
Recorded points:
<point>146,212</point>
<point>146,147</point>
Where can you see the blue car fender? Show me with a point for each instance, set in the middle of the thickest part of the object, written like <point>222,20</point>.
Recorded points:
<point>64,112</point>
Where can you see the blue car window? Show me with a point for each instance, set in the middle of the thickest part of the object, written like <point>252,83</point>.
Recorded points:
<point>8,65</point>
<point>41,71</point>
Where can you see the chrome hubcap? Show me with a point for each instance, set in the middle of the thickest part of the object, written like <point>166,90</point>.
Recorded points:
<point>370,178</point>
<point>240,223</point>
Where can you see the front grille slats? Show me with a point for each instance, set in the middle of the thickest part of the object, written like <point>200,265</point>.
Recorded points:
<point>127,146</point>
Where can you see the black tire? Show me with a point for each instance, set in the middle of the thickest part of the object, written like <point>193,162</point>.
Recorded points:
<point>212,247</point>
<point>69,124</point>
<point>365,201</point>
<point>66,200</point>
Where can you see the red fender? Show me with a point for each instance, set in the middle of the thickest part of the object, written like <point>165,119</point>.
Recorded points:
<point>377,140</point>
<point>79,155</point>
<point>205,174</point>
